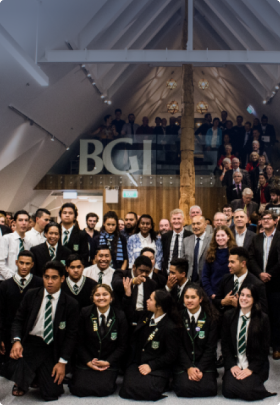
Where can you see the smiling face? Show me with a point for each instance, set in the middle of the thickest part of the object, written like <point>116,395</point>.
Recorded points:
<point>219,219</point>
<point>254,156</point>
<point>103,259</point>
<point>192,300</point>
<point>198,225</point>
<point>246,300</point>
<point>53,235</point>
<point>177,222</point>
<point>145,226</point>
<point>102,299</point>
<point>222,239</point>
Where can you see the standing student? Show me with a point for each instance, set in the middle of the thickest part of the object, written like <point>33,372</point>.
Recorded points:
<point>76,284</point>
<point>102,343</point>
<point>51,249</point>
<point>44,336</point>
<point>197,374</point>
<point>245,347</point>
<point>36,235</point>
<point>116,242</point>
<point>12,244</point>
<point>101,271</point>
<point>178,281</point>
<point>155,347</point>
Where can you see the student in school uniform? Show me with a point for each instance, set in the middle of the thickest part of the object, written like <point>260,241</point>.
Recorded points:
<point>102,343</point>
<point>44,334</point>
<point>49,250</point>
<point>155,347</point>
<point>245,348</point>
<point>178,281</point>
<point>101,271</point>
<point>76,285</point>
<point>155,275</point>
<point>196,374</point>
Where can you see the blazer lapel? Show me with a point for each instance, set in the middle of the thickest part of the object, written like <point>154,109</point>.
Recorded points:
<point>46,252</point>
<point>36,307</point>
<point>273,243</point>
<point>233,330</point>
<point>59,312</point>
<point>204,244</point>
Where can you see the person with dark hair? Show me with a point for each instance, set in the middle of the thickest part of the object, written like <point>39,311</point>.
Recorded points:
<point>178,281</point>
<point>91,221</point>
<point>51,249</point>
<point>227,210</point>
<point>202,129</point>
<point>32,222</point>
<point>101,271</point>
<point>101,346</point>
<point>71,236</point>
<point>36,235</point>
<point>4,229</point>
<point>223,120</point>
<point>225,142</point>
<point>239,276</point>
<point>44,335</point>
<point>77,285</point>
<point>274,199</point>
<point>110,235</point>
<point>238,138</point>
<point>12,244</point>
<point>9,217</point>
<point>155,348</point>
<point>157,130</point>
<point>158,277</point>
<point>270,176</point>
<point>12,292</point>
<point>133,287</point>
<point>196,374</point>
<point>106,132</point>
<point>268,135</point>
<point>145,236</point>
<point>144,129</point>
<point>118,123</point>
<point>245,347</point>
<point>130,224</point>
<point>213,139</point>
<point>262,193</point>
<point>253,223</point>
<point>130,128</point>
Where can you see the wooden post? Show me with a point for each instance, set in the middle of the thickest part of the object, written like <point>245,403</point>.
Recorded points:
<point>187,172</point>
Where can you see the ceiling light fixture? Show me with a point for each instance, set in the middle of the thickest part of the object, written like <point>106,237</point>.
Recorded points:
<point>173,107</point>
<point>203,84</point>
<point>202,107</point>
<point>171,84</point>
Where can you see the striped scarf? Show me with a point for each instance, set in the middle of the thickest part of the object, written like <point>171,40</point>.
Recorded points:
<point>107,239</point>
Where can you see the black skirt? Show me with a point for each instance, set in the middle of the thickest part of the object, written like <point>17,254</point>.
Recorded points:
<point>91,383</point>
<point>184,387</point>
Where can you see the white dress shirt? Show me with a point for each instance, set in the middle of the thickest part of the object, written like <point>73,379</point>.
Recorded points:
<point>140,295</point>
<point>147,242</point>
<point>18,277</point>
<point>200,242</point>
<point>214,138</point>
<point>242,360</point>
<point>240,279</point>
<point>196,315</point>
<point>34,237</point>
<point>78,283</point>
<point>158,319</point>
<point>106,314</point>
<point>93,273</point>
<point>173,240</point>
<point>69,234</point>
<point>9,250</point>
<point>239,238</point>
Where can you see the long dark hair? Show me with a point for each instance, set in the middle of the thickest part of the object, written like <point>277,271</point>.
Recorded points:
<point>153,233</point>
<point>116,233</point>
<point>165,301</point>
<point>205,304</point>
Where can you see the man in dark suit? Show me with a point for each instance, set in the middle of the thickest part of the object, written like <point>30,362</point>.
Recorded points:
<point>71,236</point>
<point>264,263</point>
<point>245,203</point>
<point>242,235</point>
<point>268,131</point>
<point>178,281</point>
<point>228,178</point>
<point>234,192</point>
<point>172,241</point>
<point>44,336</point>
<point>227,295</point>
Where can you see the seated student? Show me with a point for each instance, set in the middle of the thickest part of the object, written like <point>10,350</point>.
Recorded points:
<point>155,347</point>
<point>44,335</point>
<point>133,288</point>
<point>12,292</point>
<point>101,271</point>
<point>245,348</point>
<point>197,374</point>
<point>102,343</point>
<point>178,281</point>
<point>49,250</point>
<point>155,275</point>
<point>239,276</point>
<point>77,285</point>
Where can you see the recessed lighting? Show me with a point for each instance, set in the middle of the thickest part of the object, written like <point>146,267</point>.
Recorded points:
<point>102,96</point>
<point>67,148</point>
<point>264,101</point>
<point>83,66</point>
<point>93,83</point>
<point>109,102</point>
<point>89,75</point>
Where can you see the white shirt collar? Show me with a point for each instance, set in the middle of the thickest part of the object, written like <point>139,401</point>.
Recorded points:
<point>148,238</point>
<point>54,247</point>
<point>103,271</point>
<point>64,229</point>
<point>240,234</point>
<point>248,315</point>
<point>36,232</point>
<point>16,235</point>
<point>55,295</point>
<point>180,233</point>
<point>158,319</point>
<point>78,283</point>
<point>201,237</point>
<point>196,315</point>
<point>18,277</point>
<point>106,314</point>
<point>241,278</point>
<point>273,233</point>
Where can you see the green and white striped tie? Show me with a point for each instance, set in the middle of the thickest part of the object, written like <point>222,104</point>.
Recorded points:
<point>52,252</point>
<point>235,287</point>
<point>100,277</point>
<point>21,245</point>
<point>65,240</point>
<point>48,323</point>
<point>242,336</point>
<point>75,288</point>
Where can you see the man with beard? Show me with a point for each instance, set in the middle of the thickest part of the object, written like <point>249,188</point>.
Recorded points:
<point>164,226</point>
<point>130,223</point>
<point>91,220</point>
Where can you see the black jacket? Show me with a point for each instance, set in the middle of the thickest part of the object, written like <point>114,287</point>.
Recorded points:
<point>269,131</point>
<point>227,284</point>
<point>234,193</point>
<point>257,195</point>
<point>228,178</point>
<point>78,244</point>
<point>84,295</point>
<point>166,242</point>
<point>111,347</point>
<point>179,301</point>
<point>5,230</point>
<point>42,256</point>
<point>248,238</point>
<point>257,359</point>
<point>65,322</point>
<point>199,351</point>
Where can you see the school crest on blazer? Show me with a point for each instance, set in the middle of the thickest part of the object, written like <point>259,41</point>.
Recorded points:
<point>76,248</point>
<point>114,335</point>
<point>155,345</point>
<point>62,325</point>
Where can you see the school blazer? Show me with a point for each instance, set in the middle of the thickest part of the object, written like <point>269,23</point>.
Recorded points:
<point>78,243</point>
<point>84,296</point>
<point>199,351</point>
<point>227,285</point>
<point>179,302</point>
<point>65,322</point>
<point>257,359</point>
<point>42,256</point>
<point>188,252</point>
<point>111,347</point>
<point>166,243</point>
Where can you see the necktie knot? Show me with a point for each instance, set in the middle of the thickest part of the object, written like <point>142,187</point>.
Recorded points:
<point>65,233</point>
<point>75,288</point>
<point>50,297</point>
<point>22,281</point>
<point>152,322</point>
<point>21,245</point>
<point>100,274</point>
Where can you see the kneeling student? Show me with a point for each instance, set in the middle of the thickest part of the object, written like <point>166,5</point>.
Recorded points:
<point>197,375</point>
<point>44,336</point>
<point>245,348</point>
<point>102,342</point>
<point>155,347</point>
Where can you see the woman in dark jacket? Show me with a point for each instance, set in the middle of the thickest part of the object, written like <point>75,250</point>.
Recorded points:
<point>155,347</point>
<point>245,347</point>
<point>102,342</point>
<point>197,375</point>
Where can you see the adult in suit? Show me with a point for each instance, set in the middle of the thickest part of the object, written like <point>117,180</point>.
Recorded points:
<point>102,343</point>
<point>172,241</point>
<point>234,192</point>
<point>49,250</point>
<point>44,336</point>
<point>157,276</point>
<point>155,347</point>
<point>243,237</point>
<point>228,178</point>
<point>245,203</point>
<point>195,211</point>
<point>195,248</point>
<point>178,281</point>
<point>239,276</point>
<point>264,263</point>
<point>71,236</point>
<point>196,374</point>
<point>245,348</point>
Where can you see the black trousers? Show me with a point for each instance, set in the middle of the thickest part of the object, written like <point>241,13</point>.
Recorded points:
<point>91,383</point>
<point>142,387</point>
<point>249,389</point>
<point>184,387</point>
<point>273,299</point>
<point>37,363</point>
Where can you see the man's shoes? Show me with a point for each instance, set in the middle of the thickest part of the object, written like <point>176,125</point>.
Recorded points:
<point>276,355</point>
<point>220,362</point>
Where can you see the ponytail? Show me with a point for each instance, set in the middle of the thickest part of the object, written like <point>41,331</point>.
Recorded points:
<point>165,301</point>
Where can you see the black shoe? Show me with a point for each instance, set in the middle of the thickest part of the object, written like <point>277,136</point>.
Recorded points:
<point>220,362</point>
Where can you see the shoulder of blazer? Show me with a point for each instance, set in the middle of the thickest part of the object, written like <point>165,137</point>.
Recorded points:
<point>251,278</point>
<point>38,248</point>
<point>87,311</point>
<point>188,239</point>
<point>70,301</point>
<point>150,282</point>
<point>165,237</point>
<point>186,234</point>
<point>229,315</point>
